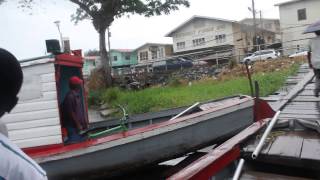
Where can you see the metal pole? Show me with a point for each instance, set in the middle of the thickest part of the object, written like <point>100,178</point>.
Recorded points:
<point>238,170</point>
<point>217,59</point>
<point>254,23</point>
<point>261,30</point>
<point>185,111</point>
<point>265,135</point>
<point>249,77</point>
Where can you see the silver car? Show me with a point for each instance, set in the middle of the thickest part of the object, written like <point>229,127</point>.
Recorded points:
<point>262,55</point>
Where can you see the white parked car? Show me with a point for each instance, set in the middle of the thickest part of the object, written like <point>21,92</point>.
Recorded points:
<point>262,55</point>
<point>299,54</point>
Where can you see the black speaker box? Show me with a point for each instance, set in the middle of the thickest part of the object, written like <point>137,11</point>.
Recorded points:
<point>53,46</point>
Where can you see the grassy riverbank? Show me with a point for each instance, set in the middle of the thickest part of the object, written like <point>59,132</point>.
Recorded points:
<point>229,83</point>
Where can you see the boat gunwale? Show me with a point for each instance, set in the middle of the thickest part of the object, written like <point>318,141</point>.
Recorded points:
<point>47,155</point>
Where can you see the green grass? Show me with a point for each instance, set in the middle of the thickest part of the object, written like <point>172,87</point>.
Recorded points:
<point>158,98</point>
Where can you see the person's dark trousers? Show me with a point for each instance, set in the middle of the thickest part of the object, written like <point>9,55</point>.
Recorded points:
<point>317,84</point>
<point>73,135</point>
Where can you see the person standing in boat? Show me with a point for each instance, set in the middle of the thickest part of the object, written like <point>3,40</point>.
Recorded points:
<point>314,60</point>
<point>73,111</point>
<point>14,163</point>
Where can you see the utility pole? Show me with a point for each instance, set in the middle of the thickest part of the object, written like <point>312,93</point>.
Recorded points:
<point>254,23</point>
<point>109,53</point>
<point>261,22</point>
<point>261,27</point>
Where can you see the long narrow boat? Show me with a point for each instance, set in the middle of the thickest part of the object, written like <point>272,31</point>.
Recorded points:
<point>35,126</point>
<point>288,150</point>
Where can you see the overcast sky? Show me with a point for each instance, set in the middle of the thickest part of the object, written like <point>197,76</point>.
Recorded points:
<point>24,34</point>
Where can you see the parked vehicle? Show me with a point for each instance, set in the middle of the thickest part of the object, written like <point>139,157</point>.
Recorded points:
<point>172,64</point>
<point>299,54</point>
<point>262,55</point>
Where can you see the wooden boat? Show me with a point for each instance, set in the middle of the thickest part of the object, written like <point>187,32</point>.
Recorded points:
<point>35,125</point>
<point>288,150</point>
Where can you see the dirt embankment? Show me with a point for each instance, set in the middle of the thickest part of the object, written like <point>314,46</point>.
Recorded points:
<point>259,67</point>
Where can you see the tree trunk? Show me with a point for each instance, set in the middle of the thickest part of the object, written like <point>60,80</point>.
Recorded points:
<point>104,57</point>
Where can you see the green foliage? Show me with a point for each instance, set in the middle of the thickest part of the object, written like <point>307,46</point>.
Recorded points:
<point>94,98</point>
<point>174,82</point>
<point>110,95</point>
<point>233,63</point>
<point>158,98</point>
<point>92,52</point>
<point>104,12</point>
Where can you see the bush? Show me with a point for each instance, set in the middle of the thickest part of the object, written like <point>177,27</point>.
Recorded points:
<point>111,95</point>
<point>175,82</point>
<point>96,80</point>
<point>94,98</point>
<point>233,63</point>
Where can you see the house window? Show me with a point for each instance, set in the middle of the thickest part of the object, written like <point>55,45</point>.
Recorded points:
<point>302,14</point>
<point>221,38</point>
<point>154,55</point>
<point>268,26</point>
<point>198,42</point>
<point>181,45</point>
<point>143,55</point>
<point>161,53</point>
<point>115,58</point>
<point>127,57</point>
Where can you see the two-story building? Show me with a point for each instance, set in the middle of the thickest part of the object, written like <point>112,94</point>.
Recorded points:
<point>295,16</point>
<point>123,58</point>
<point>151,52</point>
<point>272,25</point>
<point>268,24</point>
<point>206,36</point>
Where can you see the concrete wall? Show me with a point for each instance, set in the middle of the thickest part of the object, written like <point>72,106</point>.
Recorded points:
<point>292,28</point>
<point>202,28</point>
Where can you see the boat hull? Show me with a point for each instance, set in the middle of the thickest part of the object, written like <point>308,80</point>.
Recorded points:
<point>155,148</point>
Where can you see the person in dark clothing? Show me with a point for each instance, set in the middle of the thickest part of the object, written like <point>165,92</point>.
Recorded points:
<point>73,111</point>
<point>14,163</point>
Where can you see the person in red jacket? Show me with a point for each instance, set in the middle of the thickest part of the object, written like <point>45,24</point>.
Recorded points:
<point>73,111</point>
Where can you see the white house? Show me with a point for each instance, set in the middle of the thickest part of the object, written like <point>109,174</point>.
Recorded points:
<point>151,52</point>
<point>200,34</point>
<point>295,16</point>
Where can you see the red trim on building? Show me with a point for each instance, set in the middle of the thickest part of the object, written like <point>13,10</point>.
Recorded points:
<point>69,60</point>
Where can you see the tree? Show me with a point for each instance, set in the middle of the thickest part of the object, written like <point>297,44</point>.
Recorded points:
<point>103,12</point>
<point>92,52</point>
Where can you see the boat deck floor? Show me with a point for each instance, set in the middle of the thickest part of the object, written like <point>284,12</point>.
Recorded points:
<point>293,148</point>
<point>294,145</point>
<point>255,175</point>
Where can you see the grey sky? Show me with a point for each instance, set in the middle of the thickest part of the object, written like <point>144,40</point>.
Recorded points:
<point>24,35</point>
